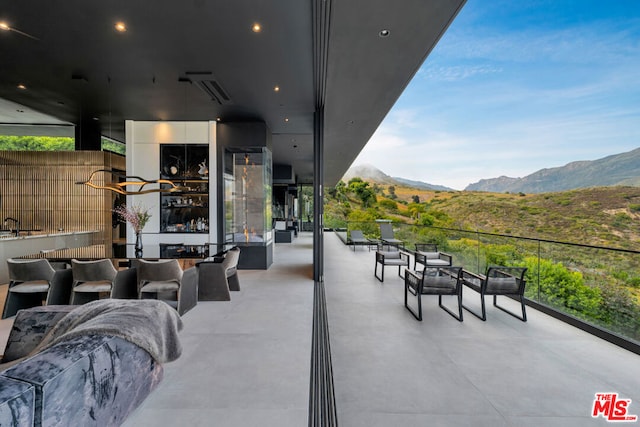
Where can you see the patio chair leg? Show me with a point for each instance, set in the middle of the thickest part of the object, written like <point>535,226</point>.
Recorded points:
<point>524,313</point>
<point>457,317</point>
<point>482,317</point>
<point>417,315</point>
<point>375,272</point>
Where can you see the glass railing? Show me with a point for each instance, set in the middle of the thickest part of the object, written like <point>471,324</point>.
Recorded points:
<point>596,285</point>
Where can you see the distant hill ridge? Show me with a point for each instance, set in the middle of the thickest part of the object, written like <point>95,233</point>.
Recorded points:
<point>371,173</point>
<point>616,170</point>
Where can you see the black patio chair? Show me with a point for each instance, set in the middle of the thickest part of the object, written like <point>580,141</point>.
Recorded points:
<point>434,281</point>
<point>393,258</point>
<point>507,281</point>
<point>427,254</point>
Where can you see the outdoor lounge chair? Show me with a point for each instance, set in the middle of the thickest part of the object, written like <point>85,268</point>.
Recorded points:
<point>508,281</point>
<point>387,236</point>
<point>427,254</point>
<point>357,239</point>
<point>434,281</point>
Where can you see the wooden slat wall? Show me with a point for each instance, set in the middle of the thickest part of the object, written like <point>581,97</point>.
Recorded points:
<point>39,189</point>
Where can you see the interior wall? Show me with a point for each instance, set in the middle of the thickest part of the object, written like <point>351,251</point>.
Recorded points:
<point>39,188</point>
<point>143,140</point>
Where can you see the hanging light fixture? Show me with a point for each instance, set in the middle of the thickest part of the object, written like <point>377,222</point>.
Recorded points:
<point>131,181</point>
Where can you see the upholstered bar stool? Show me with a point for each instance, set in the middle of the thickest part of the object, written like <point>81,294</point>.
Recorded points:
<point>90,279</point>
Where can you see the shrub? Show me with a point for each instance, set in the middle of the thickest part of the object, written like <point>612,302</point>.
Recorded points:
<point>388,204</point>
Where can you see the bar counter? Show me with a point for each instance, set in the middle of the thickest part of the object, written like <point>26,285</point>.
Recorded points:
<point>13,247</point>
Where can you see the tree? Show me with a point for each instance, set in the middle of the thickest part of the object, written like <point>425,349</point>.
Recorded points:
<point>36,143</point>
<point>362,190</point>
<point>415,209</point>
<point>415,198</point>
<point>392,192</point>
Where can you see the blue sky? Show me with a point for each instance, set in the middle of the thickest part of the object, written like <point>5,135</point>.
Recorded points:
<point>514,87</point>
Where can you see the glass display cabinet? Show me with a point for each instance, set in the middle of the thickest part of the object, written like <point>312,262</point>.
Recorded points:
<point>187,211</point>
<point>248,196</point>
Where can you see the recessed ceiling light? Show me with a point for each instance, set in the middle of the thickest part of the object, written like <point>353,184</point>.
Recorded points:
<point>276,89</point>
<point>286,119</point>
<point>256,27</point>
<point>384,33</point>
<point>22,87</point>
<point>4,26</point>
<point>120,27</point>
<point>218,119</point>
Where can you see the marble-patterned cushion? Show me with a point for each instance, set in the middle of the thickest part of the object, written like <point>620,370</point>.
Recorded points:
<point>17,402</point>
<point>88,380</point>
<point>29,327</point>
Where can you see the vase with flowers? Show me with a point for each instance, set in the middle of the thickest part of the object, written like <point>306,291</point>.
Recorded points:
<point>137,216</point>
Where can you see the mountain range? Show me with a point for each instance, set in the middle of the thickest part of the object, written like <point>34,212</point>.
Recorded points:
<point>614,170</point>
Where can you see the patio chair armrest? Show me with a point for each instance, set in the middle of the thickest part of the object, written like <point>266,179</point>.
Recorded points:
<point>413,281</point>
<point>471,275</point>
<point>446,256</point>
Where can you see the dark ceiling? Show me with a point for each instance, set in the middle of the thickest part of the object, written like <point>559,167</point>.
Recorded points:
<point>76,67</point>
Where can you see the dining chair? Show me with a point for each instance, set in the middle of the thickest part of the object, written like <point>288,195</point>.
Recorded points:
<point>160,279</point>
<point>34,282</point>
<point>91,279</point>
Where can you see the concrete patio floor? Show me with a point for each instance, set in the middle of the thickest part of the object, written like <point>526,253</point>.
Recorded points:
<point>246,361</point>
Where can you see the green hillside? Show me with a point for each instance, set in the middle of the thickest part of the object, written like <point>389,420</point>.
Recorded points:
<point>599,286</point>
<point>603,216</point>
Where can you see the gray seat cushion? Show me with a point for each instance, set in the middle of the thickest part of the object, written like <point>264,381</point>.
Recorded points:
<point>430,255</point>
<point>98,286</point>
<point>160,286</point>
<point>395,261</point>
<point>437,261</point>
<point>390,254</point>
<point>31,287</point>
<point>502,284</point>
<point>438,283</point>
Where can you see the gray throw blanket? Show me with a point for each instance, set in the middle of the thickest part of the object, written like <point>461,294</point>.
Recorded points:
<point>150,324</point>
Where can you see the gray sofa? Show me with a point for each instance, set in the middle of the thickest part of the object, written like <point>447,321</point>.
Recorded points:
<point>84,376</point>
